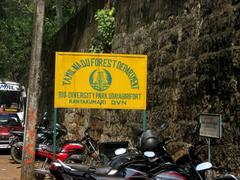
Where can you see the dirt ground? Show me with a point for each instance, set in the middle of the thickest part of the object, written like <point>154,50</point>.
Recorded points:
<point>9,170</point>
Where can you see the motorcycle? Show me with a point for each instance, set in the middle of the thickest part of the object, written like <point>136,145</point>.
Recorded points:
<point>193,164</point>
<point>225,175</point>
<point>190,160</point>
<point>71,151</point>
<point>44,136</point>
<point>224,172</point>
<point>135,159</point>
<point>168,170</point>
<point>91,155</point>
<point>130,164</point>
<point>16,136</point>
<point>62,171</point>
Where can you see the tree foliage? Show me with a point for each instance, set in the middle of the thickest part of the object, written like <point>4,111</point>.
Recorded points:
<point>105,19</point>
<point>15,43</point>
<point>16,29</point>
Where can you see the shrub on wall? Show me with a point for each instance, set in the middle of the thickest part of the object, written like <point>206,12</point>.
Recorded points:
<point>102,42</point>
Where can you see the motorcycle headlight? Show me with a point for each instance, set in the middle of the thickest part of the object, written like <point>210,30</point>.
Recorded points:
<point>112,172</point>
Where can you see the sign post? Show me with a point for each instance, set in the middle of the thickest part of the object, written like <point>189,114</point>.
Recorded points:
<point>54,132</point>
<point>144,120</point>
<point>211,127</point>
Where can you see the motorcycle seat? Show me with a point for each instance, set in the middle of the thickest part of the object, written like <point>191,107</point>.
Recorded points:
<point>103,170</point>
<point>17,133</point>
<point>99,171</point>
<point>80,167</point>
<point>49,148</point>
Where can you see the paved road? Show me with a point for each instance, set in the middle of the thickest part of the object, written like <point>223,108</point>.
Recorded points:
<point>8,169</point>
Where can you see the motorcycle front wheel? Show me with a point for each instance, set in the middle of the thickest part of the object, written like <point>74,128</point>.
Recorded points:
<point>16,154</point>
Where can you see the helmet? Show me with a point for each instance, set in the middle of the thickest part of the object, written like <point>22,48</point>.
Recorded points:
<point>148,140</point>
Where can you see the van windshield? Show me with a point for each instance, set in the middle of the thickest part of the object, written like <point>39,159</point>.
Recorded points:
<point>9,121</point>
<point>10,99</point>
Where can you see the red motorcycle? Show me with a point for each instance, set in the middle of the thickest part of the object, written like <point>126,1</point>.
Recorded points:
<point>70,151</point>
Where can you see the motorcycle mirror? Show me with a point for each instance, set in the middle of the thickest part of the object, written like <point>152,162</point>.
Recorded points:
<point>87,130</point>
<point>112,172</point>
<point>120,151</point>
<point>149,154</point>
<point>45,115</point>
<point>163,126</point>
<point>203,166</point>
<point>196,128</point>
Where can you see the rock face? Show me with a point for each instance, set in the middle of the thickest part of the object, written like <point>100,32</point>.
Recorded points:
<point>193,50</point>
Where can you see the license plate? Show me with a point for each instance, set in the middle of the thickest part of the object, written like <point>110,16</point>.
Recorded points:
<point>4,146</point>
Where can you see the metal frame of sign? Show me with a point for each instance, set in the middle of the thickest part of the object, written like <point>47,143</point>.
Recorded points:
<point>100,81</point>
<point>121,63</point>
<point>212,126</point>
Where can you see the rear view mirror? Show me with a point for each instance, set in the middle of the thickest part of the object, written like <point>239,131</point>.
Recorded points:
<point>204,166</point>
<point>163,126</point>
<point>86,132</point>
<point>149,154</point>
<point>196,129</point>
<point>120,151</point>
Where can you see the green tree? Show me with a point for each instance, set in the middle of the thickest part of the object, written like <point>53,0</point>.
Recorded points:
<point>16,31</point>
<point>102,42</point>
<point>14,39</point>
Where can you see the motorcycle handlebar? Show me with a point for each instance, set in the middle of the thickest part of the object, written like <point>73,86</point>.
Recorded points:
<point>167,141</point>
<point>87,131</point>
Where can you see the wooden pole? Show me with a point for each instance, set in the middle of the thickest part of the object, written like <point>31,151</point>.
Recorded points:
<point>27,171</point>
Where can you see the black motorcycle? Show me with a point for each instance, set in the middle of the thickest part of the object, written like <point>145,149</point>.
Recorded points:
<point>44,137</point>
<point>137,168</point>
<point>17,136</point>
<point>131,164</point>
<point>193,164</point>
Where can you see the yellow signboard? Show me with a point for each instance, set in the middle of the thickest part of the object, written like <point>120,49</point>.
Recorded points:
<point>109,81</point>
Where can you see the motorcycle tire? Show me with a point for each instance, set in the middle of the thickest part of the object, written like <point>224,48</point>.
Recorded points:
<point>16,154</point>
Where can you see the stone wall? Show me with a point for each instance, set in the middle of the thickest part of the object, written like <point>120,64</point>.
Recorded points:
<point>193,49</point>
